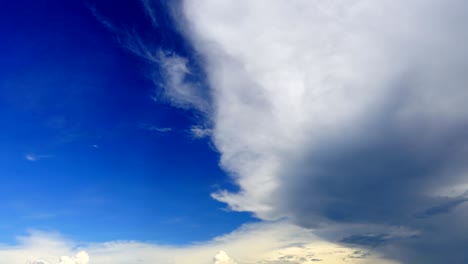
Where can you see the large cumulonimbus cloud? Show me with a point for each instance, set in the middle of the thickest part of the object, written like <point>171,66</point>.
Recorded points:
<point>342,112</point>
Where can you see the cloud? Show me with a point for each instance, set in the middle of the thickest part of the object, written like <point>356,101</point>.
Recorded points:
<point>199,132</point>
<point>178,80</point>
<point>150,12</point>
<point>36,157</point>
<point>343,114</point>
<point>195,131</point>
<point>340,113</point>
<point>260,243</point>
<point>176,87</point>
<point>156,128</point>
<point>80,258</point>
<point>367,239</point>
<point>103,20</point>
<point>162,129</point>
<point>444,207</point>
<point>223,258</point>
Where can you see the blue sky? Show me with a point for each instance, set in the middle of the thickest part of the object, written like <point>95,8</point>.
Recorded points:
<point>233,132</point>
<point>78,155</point>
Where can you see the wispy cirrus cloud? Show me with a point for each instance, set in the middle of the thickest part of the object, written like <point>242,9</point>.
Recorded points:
<point>36,157</point>
<point>199,132</point>
<point>149,10</point>
<point>177,79</point>
<point>155,128</point>
<point>177,88</point>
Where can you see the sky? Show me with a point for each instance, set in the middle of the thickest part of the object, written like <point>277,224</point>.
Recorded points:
<point>233,131</point>
<point>85,147</point>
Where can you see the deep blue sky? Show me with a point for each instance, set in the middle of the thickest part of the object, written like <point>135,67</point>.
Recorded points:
<point>72,97</point>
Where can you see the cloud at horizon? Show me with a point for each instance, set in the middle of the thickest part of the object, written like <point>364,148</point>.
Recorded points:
<point>265,243</point>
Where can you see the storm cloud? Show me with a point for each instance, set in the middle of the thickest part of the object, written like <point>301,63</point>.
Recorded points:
<point>343,113</point>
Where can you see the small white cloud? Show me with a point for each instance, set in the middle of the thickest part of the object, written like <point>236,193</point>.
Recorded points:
<point>198,132</point>
<point>161,129</point>
<point>155,128</point>
<point>177,88</point>
<point>35,157</point>
<point>96,146</point>
<point>80,258</point>
<point>30,157</point>
<point>223,258</point>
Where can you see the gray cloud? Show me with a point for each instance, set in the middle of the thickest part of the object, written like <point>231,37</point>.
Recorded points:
<point>443,208</point>
<point>372,240</point>
<point>345,117</point>
<point>343,113</point>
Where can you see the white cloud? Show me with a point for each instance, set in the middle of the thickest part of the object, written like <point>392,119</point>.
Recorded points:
<point>36,157</point>
<point>161,129</point>
<point>198,132</point>
<point>223,258</point>
<point>266,243</point>
<point>326,112</point>
<point>80,258</point>
<point>177,89</point>
<point>30,157</point>
<point>340,111</point>
<point>155,128</point>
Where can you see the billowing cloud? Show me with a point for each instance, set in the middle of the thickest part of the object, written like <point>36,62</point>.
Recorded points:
<point>223,258</point>
<point>261,243</point>
<point>343,113</point>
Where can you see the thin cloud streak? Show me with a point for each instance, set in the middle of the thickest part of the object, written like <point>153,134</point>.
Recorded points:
<point>36,157</point>
<point>198,132</point>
